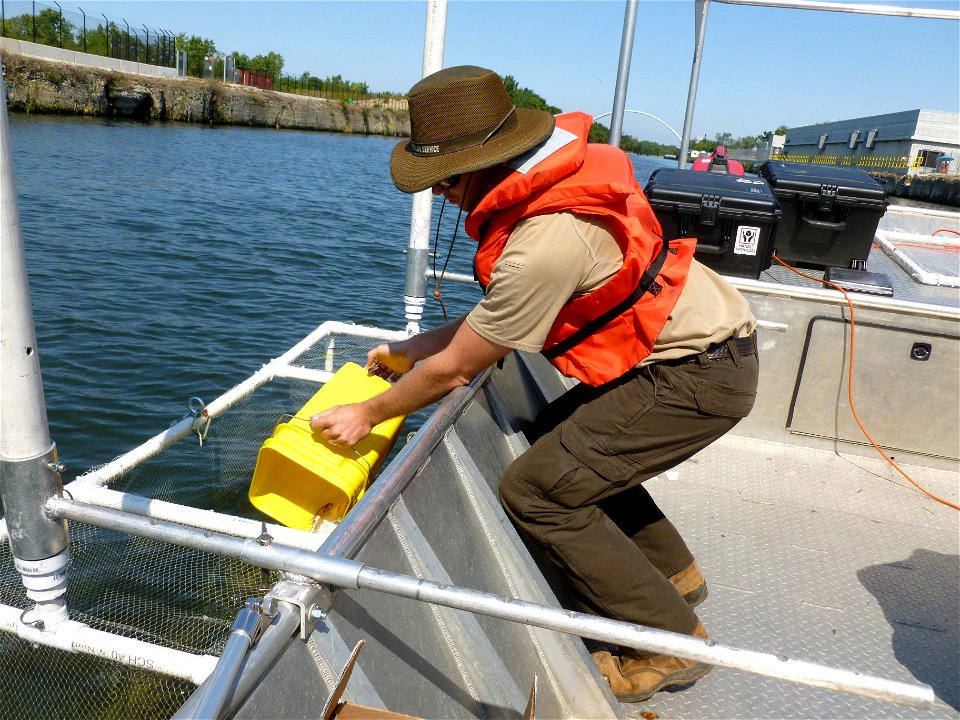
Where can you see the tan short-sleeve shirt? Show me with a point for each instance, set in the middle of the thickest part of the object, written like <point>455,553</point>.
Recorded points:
<point>551,258</point>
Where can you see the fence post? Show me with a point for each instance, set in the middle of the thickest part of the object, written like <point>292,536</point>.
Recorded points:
<point>34,18</point>
<point>3,20</point>
<point>147,55</point>
<point>60,23</point>
<point>84,28</point>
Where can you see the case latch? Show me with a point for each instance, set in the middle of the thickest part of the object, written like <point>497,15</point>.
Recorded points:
<point>709,206</point>
<point>828,195</point>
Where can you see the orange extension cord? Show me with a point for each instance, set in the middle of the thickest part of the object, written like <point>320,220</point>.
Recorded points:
<point>850,388</point>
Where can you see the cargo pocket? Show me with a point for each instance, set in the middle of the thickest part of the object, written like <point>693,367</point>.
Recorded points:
<point>608,460</point>
<point>716,399</point>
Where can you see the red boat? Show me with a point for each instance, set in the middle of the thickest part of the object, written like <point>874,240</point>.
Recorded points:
<point>718,162</point>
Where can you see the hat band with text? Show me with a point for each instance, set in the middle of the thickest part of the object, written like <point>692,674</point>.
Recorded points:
<point>508,124</point>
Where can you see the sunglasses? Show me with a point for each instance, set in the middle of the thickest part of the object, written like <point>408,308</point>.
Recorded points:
<point>449,182</point>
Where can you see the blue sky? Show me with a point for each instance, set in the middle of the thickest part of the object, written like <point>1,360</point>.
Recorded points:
<point>762,67</point>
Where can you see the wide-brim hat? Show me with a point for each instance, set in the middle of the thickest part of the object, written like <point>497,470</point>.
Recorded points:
<point>461,120</point>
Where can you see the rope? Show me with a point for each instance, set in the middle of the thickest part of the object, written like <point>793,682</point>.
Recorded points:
<point>436,246</point>
<point>853,408</point>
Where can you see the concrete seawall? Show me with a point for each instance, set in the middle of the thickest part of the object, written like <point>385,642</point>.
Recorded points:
<point>35,85</point>
<point>931,188</point>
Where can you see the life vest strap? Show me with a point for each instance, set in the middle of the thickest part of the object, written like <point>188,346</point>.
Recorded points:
<point>645,284</point>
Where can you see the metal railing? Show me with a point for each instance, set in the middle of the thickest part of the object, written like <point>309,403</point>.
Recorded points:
<point>94,34</point>
<point>873,161</point>
<point>313,87</point>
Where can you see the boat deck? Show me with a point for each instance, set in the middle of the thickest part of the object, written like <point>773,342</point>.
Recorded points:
<point>819,556</point>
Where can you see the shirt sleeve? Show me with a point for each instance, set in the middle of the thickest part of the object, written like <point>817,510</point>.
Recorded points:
<point>545,262</point>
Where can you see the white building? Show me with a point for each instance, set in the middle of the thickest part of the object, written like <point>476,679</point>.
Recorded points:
<point>912,140</point>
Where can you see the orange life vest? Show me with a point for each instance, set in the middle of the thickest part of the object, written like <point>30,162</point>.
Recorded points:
<point>567,174</point>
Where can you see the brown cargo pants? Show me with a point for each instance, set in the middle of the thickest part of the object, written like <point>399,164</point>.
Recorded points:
<point>578,493</point>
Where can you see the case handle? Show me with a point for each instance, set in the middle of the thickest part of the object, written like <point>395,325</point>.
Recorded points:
<point>713,249</point>
<point>825,223</point>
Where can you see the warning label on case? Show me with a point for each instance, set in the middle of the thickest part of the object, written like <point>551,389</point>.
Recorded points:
<point>748,240</point>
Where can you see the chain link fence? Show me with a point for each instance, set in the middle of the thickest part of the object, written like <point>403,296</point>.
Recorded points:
<point>95,34</point>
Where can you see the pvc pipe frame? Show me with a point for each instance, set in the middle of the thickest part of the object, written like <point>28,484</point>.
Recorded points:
<point>346,573</point>
<point>77,637</point>
<point>885,240</point>
<point>279,367</point>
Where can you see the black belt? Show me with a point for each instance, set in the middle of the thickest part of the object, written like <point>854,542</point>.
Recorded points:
<point>720,350</point>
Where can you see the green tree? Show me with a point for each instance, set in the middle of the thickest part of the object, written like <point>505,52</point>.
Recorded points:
<point>241,61</point>
<point>525,98</point>
<point>48,27</point>
<point>96,41</point>
<point>197,49</point>
<point>270,64</point>
<point>599,133</point>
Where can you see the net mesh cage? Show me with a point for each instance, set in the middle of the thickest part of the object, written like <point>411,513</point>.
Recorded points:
<point>151,591</point>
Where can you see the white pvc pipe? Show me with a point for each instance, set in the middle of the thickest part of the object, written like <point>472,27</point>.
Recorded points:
<point>907,210</point>
<point>202,519</point>
<point>833,297</point>
<point>268,372</point>
<point>917,272</point>
<point>896,236</point>
<point>76,637</point>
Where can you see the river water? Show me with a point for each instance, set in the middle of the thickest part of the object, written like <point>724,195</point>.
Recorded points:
<point>168,261</point>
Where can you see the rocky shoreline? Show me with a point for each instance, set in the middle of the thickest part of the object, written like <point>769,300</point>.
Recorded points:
<point>40,86</point>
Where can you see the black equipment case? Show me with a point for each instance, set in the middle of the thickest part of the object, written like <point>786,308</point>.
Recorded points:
<point>733,217</point>
<point>830,213</point>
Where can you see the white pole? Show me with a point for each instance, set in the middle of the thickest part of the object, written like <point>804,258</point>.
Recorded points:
<point>418,249</point>
<point>76,637</point>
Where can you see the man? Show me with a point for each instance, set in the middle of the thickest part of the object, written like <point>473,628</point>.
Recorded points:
<point>572,264</point>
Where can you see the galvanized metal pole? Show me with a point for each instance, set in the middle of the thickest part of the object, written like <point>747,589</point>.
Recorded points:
<point>418,249</point>
<point>623,72</point>
<point>345,573</point>
<point>702,6</point>
<point>29,472</point>
<point>927,13</point>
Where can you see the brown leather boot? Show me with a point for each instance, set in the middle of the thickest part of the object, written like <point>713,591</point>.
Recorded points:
<point>690,583</point>
<point>633,679</point>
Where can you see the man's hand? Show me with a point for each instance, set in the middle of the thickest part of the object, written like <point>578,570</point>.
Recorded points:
<point>390,361</point>
<point>342,424</point>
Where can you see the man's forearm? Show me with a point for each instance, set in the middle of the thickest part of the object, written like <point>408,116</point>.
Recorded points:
<point>433,341</point>
<point>425,384</point>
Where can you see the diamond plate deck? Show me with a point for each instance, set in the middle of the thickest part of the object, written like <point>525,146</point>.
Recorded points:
<point>821,557</point>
